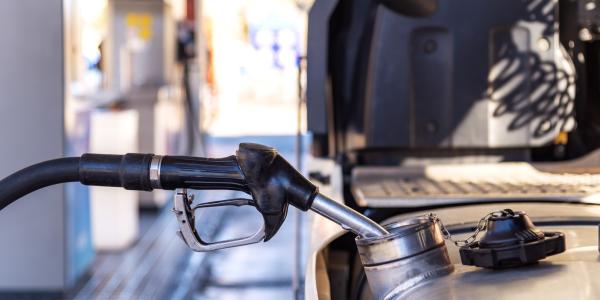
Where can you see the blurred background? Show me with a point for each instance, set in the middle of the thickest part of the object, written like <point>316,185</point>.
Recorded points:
<point>171,77</point>
<point>406,106</point>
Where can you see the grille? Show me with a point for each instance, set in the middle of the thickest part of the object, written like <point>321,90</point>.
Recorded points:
<point>450,184</point>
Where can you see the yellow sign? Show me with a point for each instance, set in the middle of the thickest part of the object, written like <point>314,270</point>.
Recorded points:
<point>142,22</point>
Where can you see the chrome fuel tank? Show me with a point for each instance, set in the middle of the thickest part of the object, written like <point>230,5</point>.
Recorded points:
<point>572,274</point>
<point>546,280</point>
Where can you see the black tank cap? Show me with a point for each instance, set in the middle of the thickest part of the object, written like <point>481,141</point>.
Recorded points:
<point>511,240</point>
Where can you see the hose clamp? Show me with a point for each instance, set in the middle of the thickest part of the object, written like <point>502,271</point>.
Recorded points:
<point>155,171</point>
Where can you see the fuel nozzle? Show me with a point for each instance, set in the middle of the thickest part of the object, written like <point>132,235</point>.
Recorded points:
<point>257,170</point>
<point>267,177</point>
<point>274,183</point>
<point>346,217</point>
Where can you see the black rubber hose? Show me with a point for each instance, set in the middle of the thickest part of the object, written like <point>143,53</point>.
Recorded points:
<point>130,171</point>
<point>36,177</point>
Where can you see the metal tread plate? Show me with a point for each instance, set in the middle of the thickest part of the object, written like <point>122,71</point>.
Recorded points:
<point>469,183</point>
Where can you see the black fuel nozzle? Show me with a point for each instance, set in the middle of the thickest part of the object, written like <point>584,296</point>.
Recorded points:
<point>274,183</point>
<point>256,170</point>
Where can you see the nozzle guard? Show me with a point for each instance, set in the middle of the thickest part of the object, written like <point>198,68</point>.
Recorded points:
<point>182,207</point>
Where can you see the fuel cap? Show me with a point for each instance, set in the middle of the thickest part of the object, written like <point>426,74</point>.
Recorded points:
<point>511,240</point>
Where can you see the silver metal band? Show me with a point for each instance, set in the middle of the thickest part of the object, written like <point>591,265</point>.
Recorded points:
<point>405,239</point>
<point>155,171</point>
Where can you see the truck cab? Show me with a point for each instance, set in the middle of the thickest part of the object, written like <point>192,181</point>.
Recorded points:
<point>457,108</point>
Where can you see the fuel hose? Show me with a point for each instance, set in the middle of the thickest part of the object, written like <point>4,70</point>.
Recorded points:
<point>36,177</point>
<point>130,171</point>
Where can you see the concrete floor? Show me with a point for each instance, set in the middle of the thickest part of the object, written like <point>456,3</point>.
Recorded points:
<point>260,271</point>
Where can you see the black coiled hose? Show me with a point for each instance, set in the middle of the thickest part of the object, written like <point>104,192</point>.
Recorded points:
<point>36,177</point>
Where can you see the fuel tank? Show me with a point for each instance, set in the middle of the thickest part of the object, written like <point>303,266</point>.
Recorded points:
<point>438,268</point>
<point>569,275</point>
<point>575,279</point>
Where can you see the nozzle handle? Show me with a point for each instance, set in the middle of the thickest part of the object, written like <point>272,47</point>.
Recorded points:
<point>199,173</point>
<point>146,172</point>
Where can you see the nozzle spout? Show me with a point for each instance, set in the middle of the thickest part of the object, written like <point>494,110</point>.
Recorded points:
<point>346,217</point>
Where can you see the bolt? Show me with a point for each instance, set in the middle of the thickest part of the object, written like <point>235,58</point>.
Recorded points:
<point>543,44</point>
<point>585,34</point>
